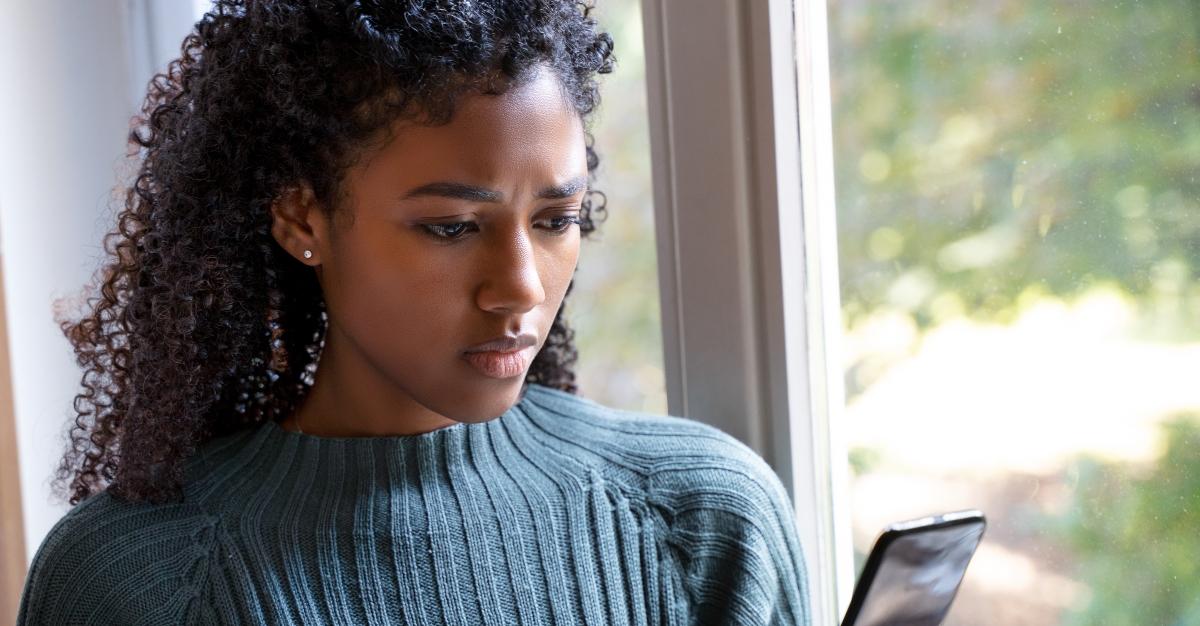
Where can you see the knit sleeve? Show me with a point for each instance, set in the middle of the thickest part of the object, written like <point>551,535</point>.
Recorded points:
<point>109,562</point>
<point>733,538</point>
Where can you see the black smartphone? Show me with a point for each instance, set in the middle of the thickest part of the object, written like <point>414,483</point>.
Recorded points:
<point>914,570</point>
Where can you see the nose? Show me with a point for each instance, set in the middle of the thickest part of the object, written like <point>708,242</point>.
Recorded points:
<point>511,282</point>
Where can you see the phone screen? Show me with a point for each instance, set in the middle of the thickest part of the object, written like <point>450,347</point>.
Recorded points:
<point>917,575</point>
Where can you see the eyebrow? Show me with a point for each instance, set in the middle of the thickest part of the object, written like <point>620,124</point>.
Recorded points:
<point>474,193</point>
<point>565,190</point>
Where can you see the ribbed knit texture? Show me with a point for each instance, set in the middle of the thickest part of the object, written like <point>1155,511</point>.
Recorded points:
<point>561,511</point>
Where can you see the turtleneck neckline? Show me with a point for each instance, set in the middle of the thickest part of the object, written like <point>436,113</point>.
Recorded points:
<point>273,428</point>
<point>273,456</point>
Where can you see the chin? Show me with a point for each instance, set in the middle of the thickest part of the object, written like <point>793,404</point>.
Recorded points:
<point>486,402</point>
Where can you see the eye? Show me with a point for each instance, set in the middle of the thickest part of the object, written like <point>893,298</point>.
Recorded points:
<point>451,230</point>
<point>560,223</point>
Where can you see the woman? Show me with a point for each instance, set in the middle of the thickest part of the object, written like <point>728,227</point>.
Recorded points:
<point>328,379</point>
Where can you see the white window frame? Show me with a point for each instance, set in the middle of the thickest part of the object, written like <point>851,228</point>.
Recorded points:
<point>741,147</point>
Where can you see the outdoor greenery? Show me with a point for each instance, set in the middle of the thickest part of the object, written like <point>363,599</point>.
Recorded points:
<point>990,149</point>
<point>614,306</point>
<point>990,155</point>
<point>1136,534</point>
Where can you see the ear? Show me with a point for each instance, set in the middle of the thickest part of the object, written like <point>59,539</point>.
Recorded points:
<point>299,225</point>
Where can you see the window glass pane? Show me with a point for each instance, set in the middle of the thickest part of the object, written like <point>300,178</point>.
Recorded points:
<point>614,306</point>
<point>1019,232</point>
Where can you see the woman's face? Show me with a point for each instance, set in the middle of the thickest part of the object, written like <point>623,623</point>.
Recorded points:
<point>451,236</point>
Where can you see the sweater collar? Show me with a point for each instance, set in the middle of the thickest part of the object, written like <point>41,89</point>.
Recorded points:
<point>268,454</point>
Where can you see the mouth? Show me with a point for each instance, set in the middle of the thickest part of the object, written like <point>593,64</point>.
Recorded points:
<point>503,357</point>
<point>502,365</point>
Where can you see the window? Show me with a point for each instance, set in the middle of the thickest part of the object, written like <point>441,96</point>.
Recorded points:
<point>1019,235</point>
<point>1008,291</point>
<point>614,305</point>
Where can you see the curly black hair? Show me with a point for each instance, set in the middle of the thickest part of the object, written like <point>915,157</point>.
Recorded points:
<point>202,324</point>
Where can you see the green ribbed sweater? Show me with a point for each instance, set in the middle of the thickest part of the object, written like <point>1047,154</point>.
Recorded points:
<point>560,511</point>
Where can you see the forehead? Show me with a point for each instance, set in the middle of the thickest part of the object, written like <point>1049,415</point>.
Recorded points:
<point>529,130</point>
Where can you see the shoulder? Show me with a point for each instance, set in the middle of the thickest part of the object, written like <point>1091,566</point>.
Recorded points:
<point>686,462</point>
<point>730,534</point>
<point>107,560</point>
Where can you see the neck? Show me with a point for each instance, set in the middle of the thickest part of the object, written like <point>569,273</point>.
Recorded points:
<point>350,397</point>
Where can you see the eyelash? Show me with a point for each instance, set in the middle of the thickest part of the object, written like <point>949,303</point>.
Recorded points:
<point>437,230</point>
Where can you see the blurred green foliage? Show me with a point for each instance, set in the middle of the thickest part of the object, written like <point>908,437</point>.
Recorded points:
<point>864,460</point>
<point>989,154</point>
<point>614,305</point>
<point>988,149</point>
<point>1136,534</point>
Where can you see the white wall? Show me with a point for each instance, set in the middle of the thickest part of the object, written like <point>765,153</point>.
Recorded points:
<point>71,74</point>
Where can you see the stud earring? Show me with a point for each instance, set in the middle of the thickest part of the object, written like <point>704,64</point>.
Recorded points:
<point>308,254</point>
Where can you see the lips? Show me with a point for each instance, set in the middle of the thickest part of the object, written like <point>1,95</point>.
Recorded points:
<point>506,343</point>
<point>508,356</point>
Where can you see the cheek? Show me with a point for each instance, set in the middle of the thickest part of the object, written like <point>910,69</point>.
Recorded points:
<point>394,297</point>
<point>559,263</point>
